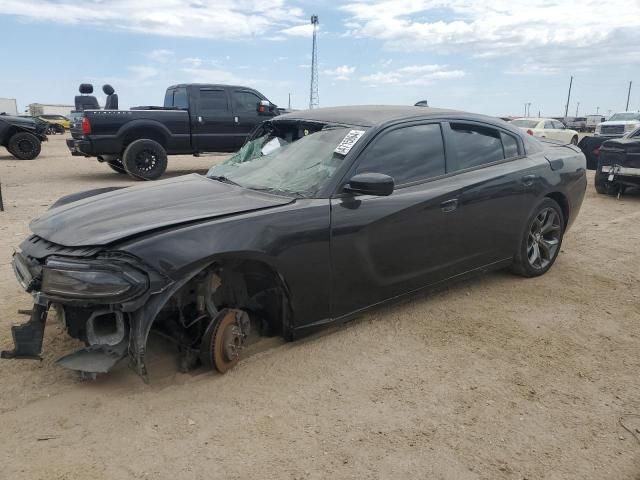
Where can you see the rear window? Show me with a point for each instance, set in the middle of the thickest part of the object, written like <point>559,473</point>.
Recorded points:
<point>213,101</point>
<point>525,123</point>
<point>474,145</point>
<point>177,98</point>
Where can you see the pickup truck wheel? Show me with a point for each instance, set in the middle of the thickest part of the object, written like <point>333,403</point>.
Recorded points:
<point>574,140</point>
<point>24,146</point>
<point>145,159</point>
<point>117,166</point>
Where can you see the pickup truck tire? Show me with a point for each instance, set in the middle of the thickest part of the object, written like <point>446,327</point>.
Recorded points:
<point>145,159</point>
<point>117,166</point>
<point>24,146</point>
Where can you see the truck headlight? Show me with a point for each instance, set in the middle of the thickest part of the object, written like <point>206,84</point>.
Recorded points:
<point>630,126</point>
<point>94,279</point>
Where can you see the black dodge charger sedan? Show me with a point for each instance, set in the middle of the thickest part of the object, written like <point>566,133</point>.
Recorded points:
<point>320,216</point>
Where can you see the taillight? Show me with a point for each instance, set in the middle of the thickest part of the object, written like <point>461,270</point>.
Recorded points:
<point>596,152</point>
<point>86,126</point>
<point>530,132</point>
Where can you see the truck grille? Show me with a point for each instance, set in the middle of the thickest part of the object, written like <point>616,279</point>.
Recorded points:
<point>612,130</point>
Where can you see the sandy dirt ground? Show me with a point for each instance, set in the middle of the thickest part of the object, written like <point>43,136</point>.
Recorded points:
<point>495,378</point>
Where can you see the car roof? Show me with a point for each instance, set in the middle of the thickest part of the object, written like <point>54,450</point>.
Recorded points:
<point>366,115</point>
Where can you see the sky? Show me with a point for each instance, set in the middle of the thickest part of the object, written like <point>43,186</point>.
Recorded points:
<point>478,56</point>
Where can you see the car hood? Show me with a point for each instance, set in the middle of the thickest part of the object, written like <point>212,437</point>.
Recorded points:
<point>116,215</point>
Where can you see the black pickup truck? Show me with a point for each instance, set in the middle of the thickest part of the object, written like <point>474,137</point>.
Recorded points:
<point>195,118</point>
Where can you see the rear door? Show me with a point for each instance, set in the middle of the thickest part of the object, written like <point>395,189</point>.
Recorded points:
<point>245,108</point>
<point>496,183</point>
<point>212,120</point>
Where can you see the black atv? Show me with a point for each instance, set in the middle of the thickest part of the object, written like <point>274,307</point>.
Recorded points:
<point>21,136</point>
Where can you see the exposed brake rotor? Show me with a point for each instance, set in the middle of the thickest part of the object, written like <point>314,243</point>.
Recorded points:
<point>224,339</point>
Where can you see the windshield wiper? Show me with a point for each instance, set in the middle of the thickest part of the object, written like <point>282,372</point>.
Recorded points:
<point>223,179</point>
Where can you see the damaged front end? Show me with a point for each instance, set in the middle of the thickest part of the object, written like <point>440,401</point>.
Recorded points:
<point>95,298</point>
<point>111,300</point>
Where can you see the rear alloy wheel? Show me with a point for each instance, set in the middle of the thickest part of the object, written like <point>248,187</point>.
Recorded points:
<point>541,241</point>
<point>24,146</point>
<point>145,159</point>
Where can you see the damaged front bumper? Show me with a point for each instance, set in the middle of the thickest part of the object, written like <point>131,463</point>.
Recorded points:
<point>111,327</point>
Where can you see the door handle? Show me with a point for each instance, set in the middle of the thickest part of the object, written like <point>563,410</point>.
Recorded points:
<point>449,205</point>
<point>527,180</point>
<point>200,120</point>
<point>235,119</point>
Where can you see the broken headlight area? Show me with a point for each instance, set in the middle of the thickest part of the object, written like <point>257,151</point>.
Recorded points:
<point>99,281</point>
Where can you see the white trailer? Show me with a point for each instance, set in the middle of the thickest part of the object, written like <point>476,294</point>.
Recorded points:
<point>37,109</point>
<point>8,106</point>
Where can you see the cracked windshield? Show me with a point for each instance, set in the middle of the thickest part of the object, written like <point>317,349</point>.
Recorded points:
<point>270,163</point>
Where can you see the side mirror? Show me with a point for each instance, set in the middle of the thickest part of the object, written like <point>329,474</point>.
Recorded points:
<point>371,184</point>
<point>265,107</point>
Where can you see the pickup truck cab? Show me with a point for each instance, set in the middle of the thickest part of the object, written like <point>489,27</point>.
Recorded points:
<point>195,118</point>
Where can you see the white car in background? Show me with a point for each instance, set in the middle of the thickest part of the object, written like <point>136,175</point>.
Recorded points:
<point>547,128</point>
<point>618,124</point>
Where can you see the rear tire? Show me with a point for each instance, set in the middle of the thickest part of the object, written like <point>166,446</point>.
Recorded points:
<point>541,240</point>
<point>574,140</point>
<point>117,166</point>
<point>24,146</point>
<point>145,159</point>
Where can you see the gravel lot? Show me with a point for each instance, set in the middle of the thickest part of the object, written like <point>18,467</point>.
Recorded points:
<point>494,378</point>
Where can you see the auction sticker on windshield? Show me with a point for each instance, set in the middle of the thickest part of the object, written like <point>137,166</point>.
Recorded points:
<point>349,141</point>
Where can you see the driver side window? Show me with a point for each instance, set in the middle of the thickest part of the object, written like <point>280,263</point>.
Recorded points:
<point>407,154</point>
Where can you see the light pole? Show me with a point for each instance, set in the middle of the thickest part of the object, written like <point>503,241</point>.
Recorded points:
<point>566,108</point>
<point>628,96</point>
<point>577,107</point>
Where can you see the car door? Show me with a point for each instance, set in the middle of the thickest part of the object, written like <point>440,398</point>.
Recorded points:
<point>495,182</point>
<point>212,125</point>
<point>382,247</point>
<point>561,132</point>
<point>245,108</point>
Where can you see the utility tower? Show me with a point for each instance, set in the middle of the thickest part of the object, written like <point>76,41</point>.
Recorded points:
<point>314,99</point>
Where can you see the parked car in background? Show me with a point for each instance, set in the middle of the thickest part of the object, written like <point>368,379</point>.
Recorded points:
<point>577,123</point>
<point>547,128</point>
<point>320,216</point>
<point>618,124</point>
<point>60,120</point>
<point>619,164</point>
<point>195,118</point>
<point>21,136</point>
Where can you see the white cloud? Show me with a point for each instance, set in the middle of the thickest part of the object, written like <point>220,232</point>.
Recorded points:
<point>343,72</point>
<point>213,75</point>
<point>545,35</point>
<point>160,55</point>
<point>143,72</point>
<point>220,19</point>
<point>305,30</point>
<point>194,62</point>
<point>413,75</point>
